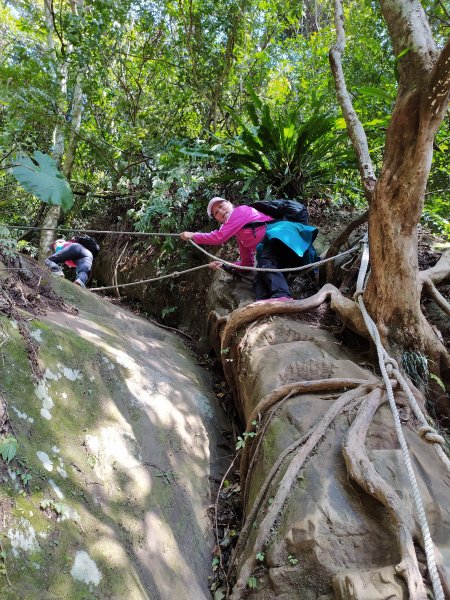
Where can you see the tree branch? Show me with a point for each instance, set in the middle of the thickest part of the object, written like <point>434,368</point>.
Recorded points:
<point>354,126</point>
<point>362,470</point>
<point>444,8</point>
<point>341,239</point>
<point>410,34</point>
<point>49,4</point>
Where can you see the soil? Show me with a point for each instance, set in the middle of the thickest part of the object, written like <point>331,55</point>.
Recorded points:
<point>26,290</point>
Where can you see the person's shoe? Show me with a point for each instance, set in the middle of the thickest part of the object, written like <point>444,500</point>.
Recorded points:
<point>57,274</point>
<point>79,282</point>
<point>280,299</point>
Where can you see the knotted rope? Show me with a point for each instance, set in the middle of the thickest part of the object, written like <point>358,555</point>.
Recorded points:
<point>387,363</point>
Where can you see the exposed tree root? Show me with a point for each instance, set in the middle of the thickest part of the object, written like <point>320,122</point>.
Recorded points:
<point>358,463</point>
<point>349,281</point>
<point>346,309</point>
<point>116,268</point>
<point>428,279</point>
<point>439,272</point>
<point>348,312</point>
<point>417,405</point>
<point>437,297</point>
<point>214,325</point>
<point>275,468</point>
<point>249,520</point>
<point>287,391</point>
<point>302,387</point>
<point>251,448</point>
<point>361,470</point>
<point>310,440</point>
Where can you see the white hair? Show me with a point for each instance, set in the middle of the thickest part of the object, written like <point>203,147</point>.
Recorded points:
<point>211,203</point>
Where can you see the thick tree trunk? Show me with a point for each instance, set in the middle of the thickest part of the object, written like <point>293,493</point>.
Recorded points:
<point>54,212</point>
<point>49,226</point>
<point>393,291</point>
<point>394,287</point>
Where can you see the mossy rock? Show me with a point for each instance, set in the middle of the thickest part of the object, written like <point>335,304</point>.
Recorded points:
<point>118,435</point>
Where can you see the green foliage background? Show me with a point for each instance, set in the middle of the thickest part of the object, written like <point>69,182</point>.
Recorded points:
<point>175,93</point>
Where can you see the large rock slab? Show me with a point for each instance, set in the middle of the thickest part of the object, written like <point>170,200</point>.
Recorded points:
<point>331,540</point>
<point>121,436</point>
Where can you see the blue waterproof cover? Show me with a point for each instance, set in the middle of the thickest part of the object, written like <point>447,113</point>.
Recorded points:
<point>296,236</point>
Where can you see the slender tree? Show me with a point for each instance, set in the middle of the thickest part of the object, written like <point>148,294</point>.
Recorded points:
<point>63,150</point>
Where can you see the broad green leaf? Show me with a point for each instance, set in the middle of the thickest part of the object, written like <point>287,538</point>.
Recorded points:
<point>40,176</point>
<point>375,92</point>
<point>8,448</point>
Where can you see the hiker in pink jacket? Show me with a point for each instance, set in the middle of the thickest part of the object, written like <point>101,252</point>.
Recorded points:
<point>249,226</point>
<point>73,255</point>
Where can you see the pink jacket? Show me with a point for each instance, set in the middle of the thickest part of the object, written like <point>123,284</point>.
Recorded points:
<point>59,247</point>
<point>247,239</point>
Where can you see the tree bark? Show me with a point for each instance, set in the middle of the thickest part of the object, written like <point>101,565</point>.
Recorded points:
<point>54,213</point>
<point>397,198</point>
<point>354,125</point>
<point>394,287</point>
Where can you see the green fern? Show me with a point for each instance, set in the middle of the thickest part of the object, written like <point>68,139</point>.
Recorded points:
<point>280,151</point>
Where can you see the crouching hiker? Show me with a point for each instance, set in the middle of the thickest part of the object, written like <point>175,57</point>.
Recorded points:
<point>274,244</point>
<point>74,254</point>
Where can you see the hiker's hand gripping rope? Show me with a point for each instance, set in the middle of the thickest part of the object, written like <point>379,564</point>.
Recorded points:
<point>188,236</point>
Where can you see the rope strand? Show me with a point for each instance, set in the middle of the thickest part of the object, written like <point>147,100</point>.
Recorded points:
<point>174,274</point>
<point>138,233</point>
<point>287,270</point>
<point>308,267</point>
<point>384,361</point>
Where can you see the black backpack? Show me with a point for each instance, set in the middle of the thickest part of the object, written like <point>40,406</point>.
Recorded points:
<point>88,242</point>
<point>283,210</point>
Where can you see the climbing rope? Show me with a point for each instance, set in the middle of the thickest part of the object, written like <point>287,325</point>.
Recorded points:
<point>156,233</point>
<point>178,273</point>
<point>287,270</point>
<point>225,262</point>
<point>174,274</point>
<point>426,431</point>
<point>386,362</point>
<point>65,230</point>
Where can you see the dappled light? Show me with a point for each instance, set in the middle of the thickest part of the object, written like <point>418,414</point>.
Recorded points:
<point>128,444</point>
<point>224,300</point>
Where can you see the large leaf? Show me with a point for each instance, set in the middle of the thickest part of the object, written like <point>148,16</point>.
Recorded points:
<point>39,175</point>
<point>376,92</point>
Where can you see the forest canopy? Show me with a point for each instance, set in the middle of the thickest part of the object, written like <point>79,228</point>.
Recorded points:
<point>156,105</point>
